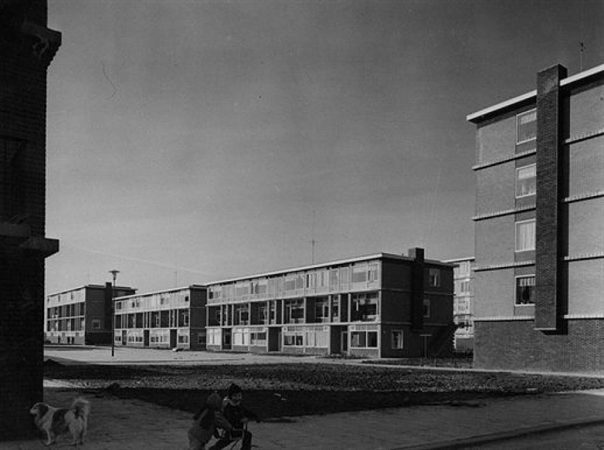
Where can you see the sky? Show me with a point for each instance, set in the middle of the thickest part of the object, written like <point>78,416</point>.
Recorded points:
<point>194,141</point>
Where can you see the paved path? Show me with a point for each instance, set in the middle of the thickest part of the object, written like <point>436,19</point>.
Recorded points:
<point>133,424</point>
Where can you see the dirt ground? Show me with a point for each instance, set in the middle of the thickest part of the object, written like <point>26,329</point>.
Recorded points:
<point>275,391</point>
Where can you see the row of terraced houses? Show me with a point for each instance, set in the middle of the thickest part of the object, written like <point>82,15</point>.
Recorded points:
<point>531,297</point>
<point>378,305</point>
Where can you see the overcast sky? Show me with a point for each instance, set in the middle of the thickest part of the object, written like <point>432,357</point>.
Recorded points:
<point>192,141</point>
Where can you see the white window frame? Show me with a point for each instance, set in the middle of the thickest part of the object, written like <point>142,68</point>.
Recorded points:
<point>528,275</point>
<point>518,169</point>
<point>434,277</point>
<point>401,346</point>
<point>530,249</point>
<point>427,307</point>
<point>534,110</point>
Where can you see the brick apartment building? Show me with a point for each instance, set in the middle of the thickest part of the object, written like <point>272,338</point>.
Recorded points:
<point>82,315</point>
<point>381,305</point>
<point>27,47</point>
<point>173,318</point>
<point>463,303</point>
<point>539,236</point>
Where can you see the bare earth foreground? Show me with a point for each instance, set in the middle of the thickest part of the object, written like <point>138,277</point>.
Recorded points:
<point>277,390</point>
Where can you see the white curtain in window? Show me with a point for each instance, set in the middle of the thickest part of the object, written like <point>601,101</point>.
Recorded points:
<point>525,235</point>
<point>526,281</point>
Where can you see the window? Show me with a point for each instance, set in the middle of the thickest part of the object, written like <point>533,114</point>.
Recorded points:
<point>397,339</point>
<point>434,277</point>
<point>321,309</point>
<point>426,308</point>
<point>295,339</point>
<point>464,268</point>
<point>526,180</point>
<point>258,338</point>
<point>294,311</point>
<point>464,287</point>
<point>334,279</point>
<point>363,339</point>
<point>213,337</point>
<point>359,274</point>
<point>96,324</point>
<point>525,235</point>
<point>364,307</point>
<point>525,290</point>
<point>335,308</point>
<point>526,126</point>
<point>358,339</point>
<point>372,273</point>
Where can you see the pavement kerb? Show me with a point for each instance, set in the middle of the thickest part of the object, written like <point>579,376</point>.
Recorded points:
<point>505,435</point>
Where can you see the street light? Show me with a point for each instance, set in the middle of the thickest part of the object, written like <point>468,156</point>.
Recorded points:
<point>114,273</point>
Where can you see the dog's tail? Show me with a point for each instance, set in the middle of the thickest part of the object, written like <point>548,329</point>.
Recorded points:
<point>81,407</point>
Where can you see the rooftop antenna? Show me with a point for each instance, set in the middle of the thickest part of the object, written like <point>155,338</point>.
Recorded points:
<point>581,43</point>
<point>313,242</point>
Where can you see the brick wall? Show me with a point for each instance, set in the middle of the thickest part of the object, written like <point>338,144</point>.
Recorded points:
<point>516,345</point>
<point>547,302</point>
<point>23,120</point>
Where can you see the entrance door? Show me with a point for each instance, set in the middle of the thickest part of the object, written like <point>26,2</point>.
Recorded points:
<point>226,339</point>
<point>344,342</point>
<point>146,338</point>
<point>124,337</point>
<point>172,338</point>
<point>274,339</point>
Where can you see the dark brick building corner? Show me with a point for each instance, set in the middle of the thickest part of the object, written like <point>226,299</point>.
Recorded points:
<point>27,47</point>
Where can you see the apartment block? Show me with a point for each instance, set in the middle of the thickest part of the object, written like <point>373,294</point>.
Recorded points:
<point>27,48</point>
<point>463,303</point>
<point>381,305</point>
<point>539,226</point>
<point>82,315</point>
<point>173,318</point>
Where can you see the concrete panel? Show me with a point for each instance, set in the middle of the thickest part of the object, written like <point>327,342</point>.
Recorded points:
<point>495,293</point>
<point>495,188</point>
<point>496,140</point>
<point>587,110</point>
<point>586,166</point>
<point>586,227</point>
<point>585,287</point>
<point>495,241</point>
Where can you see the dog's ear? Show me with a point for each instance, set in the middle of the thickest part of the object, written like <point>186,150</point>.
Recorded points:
<point>42,408</point>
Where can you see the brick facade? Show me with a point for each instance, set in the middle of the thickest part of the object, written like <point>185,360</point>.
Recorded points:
<point>539,288</point>
<point>509,345</point>
<point>26,49</point>
<point>549,153</point>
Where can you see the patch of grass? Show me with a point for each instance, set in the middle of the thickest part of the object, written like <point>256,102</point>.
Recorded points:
<point>277,390</point>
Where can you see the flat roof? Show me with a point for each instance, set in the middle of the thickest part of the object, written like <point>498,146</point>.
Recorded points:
<point>327,264</point>
<point>164,291</point>
<point>92,286</point>
<point>467,258</point>
<point>568,81</point>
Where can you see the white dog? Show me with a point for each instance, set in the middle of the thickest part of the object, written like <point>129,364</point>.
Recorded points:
<point>56,421</point>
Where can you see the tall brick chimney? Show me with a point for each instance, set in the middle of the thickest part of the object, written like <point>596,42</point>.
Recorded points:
<point>27,47</point>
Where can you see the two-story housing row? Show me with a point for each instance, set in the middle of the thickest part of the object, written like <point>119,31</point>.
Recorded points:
<point>381,305</point>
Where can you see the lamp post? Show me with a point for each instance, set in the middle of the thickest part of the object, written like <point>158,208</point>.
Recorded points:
<point>114,274</point>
